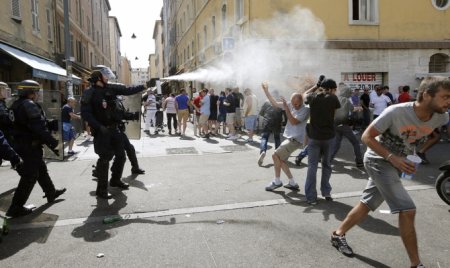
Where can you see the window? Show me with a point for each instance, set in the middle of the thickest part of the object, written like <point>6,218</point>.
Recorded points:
<point>439,63</point>
<point>72,47</point>
<point>363,12</point>
<point>35,15</point>
<point>15,10</point>
<point>49,24</point>
<point>224,18</point>
<point>213,22</point>
<point>239,14</point>
<point>88,21</point>
<point>441,4</point>
<point>82,19</point>
<point>205,33</point>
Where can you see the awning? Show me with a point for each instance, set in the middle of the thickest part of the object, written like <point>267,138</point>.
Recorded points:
<point>42,68</point>
<point>424,75</point>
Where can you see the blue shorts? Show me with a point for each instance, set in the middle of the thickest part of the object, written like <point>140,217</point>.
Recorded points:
<point>250,122</point>
<point>68,132</point>
<point>221,117</point>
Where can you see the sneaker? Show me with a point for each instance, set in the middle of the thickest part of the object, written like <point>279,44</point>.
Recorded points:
<point>294,187</point>
<point>248,140</point>
<point>424,158</point>
<point>340,243</point>
<point>418,266</point>
<point>261,158</point>
<point>71,152</point>
<point>312,202</point>
<point>272,186</point>
<point>359,165</point>
<point>328,198</point>
<point>232,138</point>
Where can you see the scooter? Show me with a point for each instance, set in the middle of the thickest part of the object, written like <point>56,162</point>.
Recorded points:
<point>443,182</point>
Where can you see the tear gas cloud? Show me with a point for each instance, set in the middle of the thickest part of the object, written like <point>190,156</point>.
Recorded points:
<point>283,50</point>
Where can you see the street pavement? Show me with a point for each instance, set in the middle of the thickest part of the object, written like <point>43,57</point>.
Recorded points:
<point>202,203</point>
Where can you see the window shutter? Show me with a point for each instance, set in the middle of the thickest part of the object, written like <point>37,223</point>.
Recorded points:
<point>15,8</point>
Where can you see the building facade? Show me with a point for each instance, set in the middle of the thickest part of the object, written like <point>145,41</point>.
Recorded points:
<point>139,76</point>
<point>360,42</point>
<point>115,34</point>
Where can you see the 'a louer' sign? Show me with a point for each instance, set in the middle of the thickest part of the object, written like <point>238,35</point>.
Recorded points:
<point>360,80</point>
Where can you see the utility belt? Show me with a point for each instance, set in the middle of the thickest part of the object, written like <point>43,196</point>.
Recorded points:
<point>112,126</point>
<point>36,143</point>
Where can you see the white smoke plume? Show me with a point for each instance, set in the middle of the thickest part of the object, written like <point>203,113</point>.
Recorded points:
<point>284,51</point>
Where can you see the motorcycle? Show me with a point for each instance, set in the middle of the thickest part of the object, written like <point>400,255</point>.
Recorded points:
<point>443,182</point>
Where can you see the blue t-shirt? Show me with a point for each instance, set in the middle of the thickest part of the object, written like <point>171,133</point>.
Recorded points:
<point>182,101</point>
<point>205,108</point>
<point>65,115</point>
<point>222,108</point>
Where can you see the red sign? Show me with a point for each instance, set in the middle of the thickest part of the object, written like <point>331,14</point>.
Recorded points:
<point>360,80</point>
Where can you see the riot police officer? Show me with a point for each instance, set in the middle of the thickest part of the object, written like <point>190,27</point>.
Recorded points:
<point>30,133</point>
<point>99,108</point>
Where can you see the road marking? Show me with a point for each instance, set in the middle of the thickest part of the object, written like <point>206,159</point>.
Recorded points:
<point>188,211</point>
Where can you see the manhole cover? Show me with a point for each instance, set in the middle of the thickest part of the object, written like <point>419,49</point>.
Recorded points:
<point>186,150</point>
<point>235,148</point>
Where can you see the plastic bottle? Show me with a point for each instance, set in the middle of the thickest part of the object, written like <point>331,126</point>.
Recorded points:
<point>111,219</point>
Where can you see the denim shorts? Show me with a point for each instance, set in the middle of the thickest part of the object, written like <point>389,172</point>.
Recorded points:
<point>385,185</point>
<point>250,122</point>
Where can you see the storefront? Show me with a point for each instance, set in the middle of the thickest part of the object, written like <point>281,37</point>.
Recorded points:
<point>17,65</point>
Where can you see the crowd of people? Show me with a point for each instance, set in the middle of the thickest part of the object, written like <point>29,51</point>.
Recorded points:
<point>317,118</point>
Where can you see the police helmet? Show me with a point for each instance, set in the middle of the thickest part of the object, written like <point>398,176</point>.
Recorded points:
<point>27,87</point>
<point>98,71</point>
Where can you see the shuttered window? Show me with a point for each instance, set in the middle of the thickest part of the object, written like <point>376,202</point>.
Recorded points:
<point>35,15</point>
<point>15,9</point>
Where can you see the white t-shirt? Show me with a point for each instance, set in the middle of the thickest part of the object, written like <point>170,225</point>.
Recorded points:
<point>379,103</point>
<point>170,105</point>
<point>151,101</point>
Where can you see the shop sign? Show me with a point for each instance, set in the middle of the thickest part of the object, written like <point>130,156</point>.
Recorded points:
<point>361,80</point>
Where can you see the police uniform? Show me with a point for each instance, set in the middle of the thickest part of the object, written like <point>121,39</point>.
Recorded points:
<point>100,109</point>
<point>30,132</point>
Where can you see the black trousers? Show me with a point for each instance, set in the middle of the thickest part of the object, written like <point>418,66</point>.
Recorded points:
<point>171,117</point>
<point>35,170</point>
<point>107,146</point>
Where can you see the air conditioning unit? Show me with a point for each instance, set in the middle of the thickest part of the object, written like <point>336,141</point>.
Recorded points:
<point>218,48</point>
<point>201,57</point>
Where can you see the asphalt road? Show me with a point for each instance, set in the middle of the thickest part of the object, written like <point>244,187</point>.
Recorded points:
<point>203,204</point>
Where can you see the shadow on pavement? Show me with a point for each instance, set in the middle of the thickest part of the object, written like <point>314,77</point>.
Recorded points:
<point>339,210</point>
<point>132,180</point>
<point>94,230</point>
<point>18,239</point>
<point>370,262</point>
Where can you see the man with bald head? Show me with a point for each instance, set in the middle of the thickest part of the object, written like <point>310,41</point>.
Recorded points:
<point>297,115</point>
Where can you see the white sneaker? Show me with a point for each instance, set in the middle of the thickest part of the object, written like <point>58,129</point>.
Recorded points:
<point>261,158</point>
<point>232,137</point>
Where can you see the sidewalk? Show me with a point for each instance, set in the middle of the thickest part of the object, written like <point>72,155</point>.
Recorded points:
<point>164,144</point>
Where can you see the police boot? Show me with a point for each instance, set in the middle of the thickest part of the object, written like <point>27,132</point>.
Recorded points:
<point>120,184</point>
<point>55,194</point>
<point>94,172</point>
<point>18,211</point>
<point>102,182</point>
<point>137,170</point>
